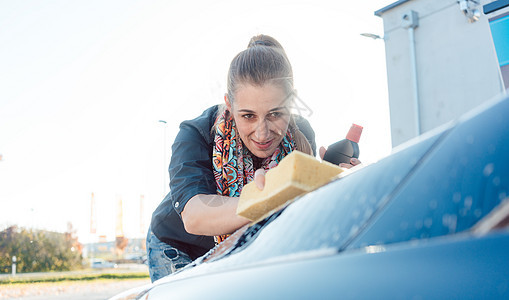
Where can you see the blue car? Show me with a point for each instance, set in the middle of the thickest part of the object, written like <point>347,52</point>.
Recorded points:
<point>429,221</point>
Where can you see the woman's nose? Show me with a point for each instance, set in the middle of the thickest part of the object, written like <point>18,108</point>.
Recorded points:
<point>262,131</point>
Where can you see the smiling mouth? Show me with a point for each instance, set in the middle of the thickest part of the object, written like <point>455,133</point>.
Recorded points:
<point>263,145</point>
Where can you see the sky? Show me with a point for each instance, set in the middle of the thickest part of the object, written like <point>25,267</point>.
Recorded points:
<point>84,86</point>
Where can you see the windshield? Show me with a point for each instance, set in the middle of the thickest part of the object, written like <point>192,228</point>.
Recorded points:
<point>458,184</point>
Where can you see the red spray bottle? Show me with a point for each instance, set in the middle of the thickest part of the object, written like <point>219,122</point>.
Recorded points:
<point>344,150</point>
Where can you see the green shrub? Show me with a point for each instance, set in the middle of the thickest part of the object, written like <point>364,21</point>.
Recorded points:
<point>39,250</point>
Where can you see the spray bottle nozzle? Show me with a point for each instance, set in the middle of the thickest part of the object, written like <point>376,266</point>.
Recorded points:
<point>354,134</point>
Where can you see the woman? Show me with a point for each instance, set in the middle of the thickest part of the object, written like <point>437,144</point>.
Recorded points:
<point>217,153</point>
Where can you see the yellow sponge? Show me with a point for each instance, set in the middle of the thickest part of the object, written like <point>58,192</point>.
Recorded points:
<point>296,174</point>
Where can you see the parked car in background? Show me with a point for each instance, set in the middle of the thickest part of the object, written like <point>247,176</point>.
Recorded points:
<point>99,263</point>
<point>429,221</point>
<point>136,258</point>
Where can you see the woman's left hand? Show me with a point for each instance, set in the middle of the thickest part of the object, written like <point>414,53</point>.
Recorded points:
<point>353,161</point>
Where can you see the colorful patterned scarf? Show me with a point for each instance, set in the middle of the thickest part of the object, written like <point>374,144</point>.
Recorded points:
<point>232,161</point>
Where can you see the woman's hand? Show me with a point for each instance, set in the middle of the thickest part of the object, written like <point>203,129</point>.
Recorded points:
<point>259,178</point>
<point>353,161</point>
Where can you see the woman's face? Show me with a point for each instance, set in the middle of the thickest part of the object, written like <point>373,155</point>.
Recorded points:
<point>262,116</point>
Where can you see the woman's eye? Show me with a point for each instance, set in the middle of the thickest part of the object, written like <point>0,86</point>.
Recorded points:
<point>248,116</point>
<point>275,114</point>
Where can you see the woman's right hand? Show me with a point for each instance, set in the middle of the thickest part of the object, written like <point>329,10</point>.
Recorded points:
<point>259,178</point>
<point>353,161</point>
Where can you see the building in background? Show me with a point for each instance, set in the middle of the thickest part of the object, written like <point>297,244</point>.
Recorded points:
<point>441,60</point>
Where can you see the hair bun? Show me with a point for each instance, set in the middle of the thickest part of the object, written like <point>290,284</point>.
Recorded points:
<point>264,41</point>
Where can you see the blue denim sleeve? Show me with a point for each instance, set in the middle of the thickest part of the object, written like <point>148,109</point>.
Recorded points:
<point>190,166</point>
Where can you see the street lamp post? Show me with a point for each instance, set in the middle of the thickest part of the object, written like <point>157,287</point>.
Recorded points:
<point>165,173</point>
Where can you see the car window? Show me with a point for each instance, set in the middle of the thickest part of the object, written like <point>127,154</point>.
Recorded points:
<point>460,182</point>
<point>331,215</point>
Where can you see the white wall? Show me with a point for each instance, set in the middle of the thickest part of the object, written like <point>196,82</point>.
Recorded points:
<point>457,67</point>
